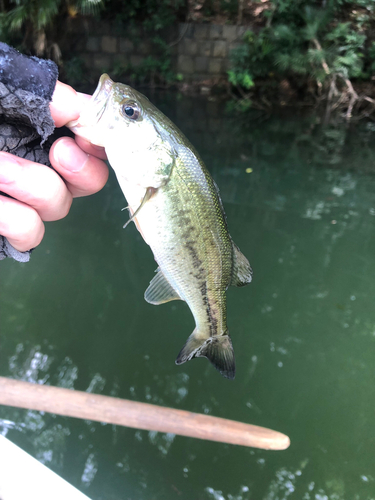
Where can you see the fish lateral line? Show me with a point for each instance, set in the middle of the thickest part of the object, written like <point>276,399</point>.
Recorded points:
<point>150,191</point>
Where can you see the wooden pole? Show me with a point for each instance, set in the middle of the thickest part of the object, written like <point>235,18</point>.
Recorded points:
<point>116,411</point>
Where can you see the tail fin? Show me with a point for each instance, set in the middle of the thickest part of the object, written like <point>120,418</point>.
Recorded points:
<point>217,349</point>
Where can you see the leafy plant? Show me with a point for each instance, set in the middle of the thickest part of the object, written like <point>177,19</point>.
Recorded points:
<point>306,42</point>
<point>32,17</point>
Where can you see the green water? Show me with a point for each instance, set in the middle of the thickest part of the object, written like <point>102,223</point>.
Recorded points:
<point>300,202</point>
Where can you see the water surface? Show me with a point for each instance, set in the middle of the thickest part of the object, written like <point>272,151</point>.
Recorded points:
<point>300,202</point>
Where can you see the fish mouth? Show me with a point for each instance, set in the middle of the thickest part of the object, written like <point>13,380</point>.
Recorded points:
<point>85,125</point>
<point>100,97</point>
<point>104,87</point>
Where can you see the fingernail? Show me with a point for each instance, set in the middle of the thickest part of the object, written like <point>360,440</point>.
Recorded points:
<point>70,156</point>
<point>8,164</point>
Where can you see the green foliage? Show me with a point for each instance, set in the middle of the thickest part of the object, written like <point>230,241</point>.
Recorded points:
<point>306,42</point>
<point>38,13</point>
<point>30,19</point>
<point>251,59</point>
<point>345,50</point>
<point>243,79</point>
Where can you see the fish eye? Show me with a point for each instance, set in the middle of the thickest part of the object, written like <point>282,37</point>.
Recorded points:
<point>131,110</point>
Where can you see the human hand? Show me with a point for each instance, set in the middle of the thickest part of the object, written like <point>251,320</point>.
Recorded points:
<point>39,193</point>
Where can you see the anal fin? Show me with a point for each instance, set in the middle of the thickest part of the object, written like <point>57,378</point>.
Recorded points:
<point>160,290</point>
<point>242,272</point>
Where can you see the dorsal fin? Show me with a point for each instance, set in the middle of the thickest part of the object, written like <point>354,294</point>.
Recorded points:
<point>241,272</point>
<point>160,290</point>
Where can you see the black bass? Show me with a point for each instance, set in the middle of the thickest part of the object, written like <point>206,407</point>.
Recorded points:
<point>176,206</point>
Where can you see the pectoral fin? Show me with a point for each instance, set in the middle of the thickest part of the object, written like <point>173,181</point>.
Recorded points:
<point>241,272</point>
<point>160,290</point>
<point>149,192</point>
<point>217,349</point>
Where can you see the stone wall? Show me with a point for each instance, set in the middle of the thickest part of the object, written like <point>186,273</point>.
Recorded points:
<point>200,51</point>
<point>203,50</point>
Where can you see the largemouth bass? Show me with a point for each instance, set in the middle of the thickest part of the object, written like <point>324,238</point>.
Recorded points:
<point>176,207</point>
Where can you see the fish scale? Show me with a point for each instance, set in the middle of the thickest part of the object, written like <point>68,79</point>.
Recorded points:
<point>195,253</point>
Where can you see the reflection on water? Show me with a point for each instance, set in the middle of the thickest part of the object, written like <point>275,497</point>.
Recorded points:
<point>90,470</point>
<point>300,202</point>
<point>218,495</point>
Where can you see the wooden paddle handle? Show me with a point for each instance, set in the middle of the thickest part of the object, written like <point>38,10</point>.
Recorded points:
<point>116,411</point>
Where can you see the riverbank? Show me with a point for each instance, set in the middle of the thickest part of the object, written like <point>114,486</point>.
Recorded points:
<point>244,62</point>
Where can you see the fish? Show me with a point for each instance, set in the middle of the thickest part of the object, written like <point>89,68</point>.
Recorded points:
<point>176,206</point>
